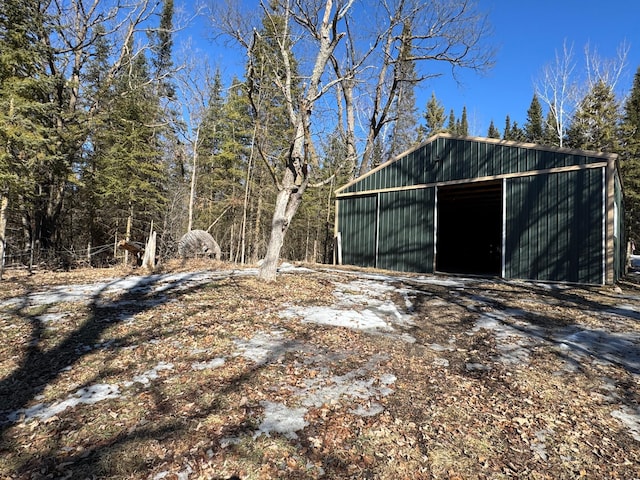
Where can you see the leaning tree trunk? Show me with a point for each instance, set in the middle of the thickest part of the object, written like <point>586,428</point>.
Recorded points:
<point>287,203</point>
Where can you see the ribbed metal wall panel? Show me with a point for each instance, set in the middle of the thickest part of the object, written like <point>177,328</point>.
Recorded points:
<point>405,230</point>
<point>554,227</point>
<point>553,221</point>
<point>357,226</point>
<point>445,159</point>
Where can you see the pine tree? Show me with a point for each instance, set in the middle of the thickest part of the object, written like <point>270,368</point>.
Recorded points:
<point>207,143</point>
<point>434,116</point>
<point>517,134</point>
<point>533,128</point>
<point>630,158</point>
<point>594,124</point>
<point>493,131</point>
<point>130,175</point>
<point>162,60</point>
<point>451,126</point>
<point>463,128</point>
<point>507,129</point>
<point>549,132</point>
<point>28,138</point>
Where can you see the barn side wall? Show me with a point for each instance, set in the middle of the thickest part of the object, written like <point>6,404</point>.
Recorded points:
<point>554,227</point>
<point>405,230</point>
<point>562,214</point>
<point>357,227</point>
<point>389,230</point>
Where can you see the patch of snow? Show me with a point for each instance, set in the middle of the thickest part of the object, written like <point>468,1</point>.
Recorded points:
<point>146,377</point>
<point>441,282</point>
<point>477,367</point>
<point>330,316</point>
<point>439,348</point>
<point>87,395</point>
<point>215,363</point>
<point>630,419</point>
<point>379,314</point>
<point>441,362</point>
<point>602,346</point>
<point>279,418</point>
<point>51,317</point>
<point>357,384</point>
<point>266,347</point>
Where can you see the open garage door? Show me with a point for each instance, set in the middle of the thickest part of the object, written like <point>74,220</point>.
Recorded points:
<point>469,230</point>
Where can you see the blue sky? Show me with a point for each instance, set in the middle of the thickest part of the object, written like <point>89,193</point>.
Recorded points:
<point>527,34</point>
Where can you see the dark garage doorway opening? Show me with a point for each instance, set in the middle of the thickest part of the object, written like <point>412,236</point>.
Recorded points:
<point>469,230</point>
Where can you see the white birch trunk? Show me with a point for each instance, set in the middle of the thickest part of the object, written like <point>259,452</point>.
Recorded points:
<point>4,205</point>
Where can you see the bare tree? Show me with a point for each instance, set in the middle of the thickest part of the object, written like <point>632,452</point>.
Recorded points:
<point>606,70</point>
<point>320,21</point>
<point>195,85</point>
<point>561,88</point>
<point>558,89</point>
<point>437,37</point>
<point>445,31</point>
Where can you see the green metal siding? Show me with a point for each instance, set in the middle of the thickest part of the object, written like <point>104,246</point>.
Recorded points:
<point>446,159</point>
<point>405,230</point>
<point>357,226</point>
<point>554,227</point>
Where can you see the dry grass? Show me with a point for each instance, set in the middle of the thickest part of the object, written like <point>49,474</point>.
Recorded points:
<point>544,418</point>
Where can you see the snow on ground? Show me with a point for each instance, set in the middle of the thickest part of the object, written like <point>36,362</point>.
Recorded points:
<point>361,305</point>
<point>364,304</point>
<point>87,395</point>
<point>360,387</point>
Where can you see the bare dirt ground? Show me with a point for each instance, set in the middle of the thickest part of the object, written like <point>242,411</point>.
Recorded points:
<point>203,372</point>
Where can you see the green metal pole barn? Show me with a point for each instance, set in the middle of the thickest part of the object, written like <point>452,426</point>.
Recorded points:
<point>469,205</point>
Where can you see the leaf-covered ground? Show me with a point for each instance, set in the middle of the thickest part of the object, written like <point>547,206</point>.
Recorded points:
<point>201,373</point>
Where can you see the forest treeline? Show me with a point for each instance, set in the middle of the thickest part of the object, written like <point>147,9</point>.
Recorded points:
<point>106,127</point>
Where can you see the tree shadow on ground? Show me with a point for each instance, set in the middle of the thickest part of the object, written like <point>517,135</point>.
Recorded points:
<point>574,341</point>
<point>40,367</point>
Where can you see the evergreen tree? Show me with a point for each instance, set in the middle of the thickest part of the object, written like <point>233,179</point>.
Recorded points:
<point>463,128</point>
<point>434,116</point>
<point>208,151</point>
<point>162,60</point>
<point>507,128</point>
<point>549,132</point>
<point>29,158</point>
<point>630,158</point>
<point>517,134</point>
<point>493,131</point>
<point>594,124</point>
<point>130,176</point>
<point>451,126</point>
<point>533,127</point>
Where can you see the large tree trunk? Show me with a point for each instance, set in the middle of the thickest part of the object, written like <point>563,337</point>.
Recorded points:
<point>287,203</point>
